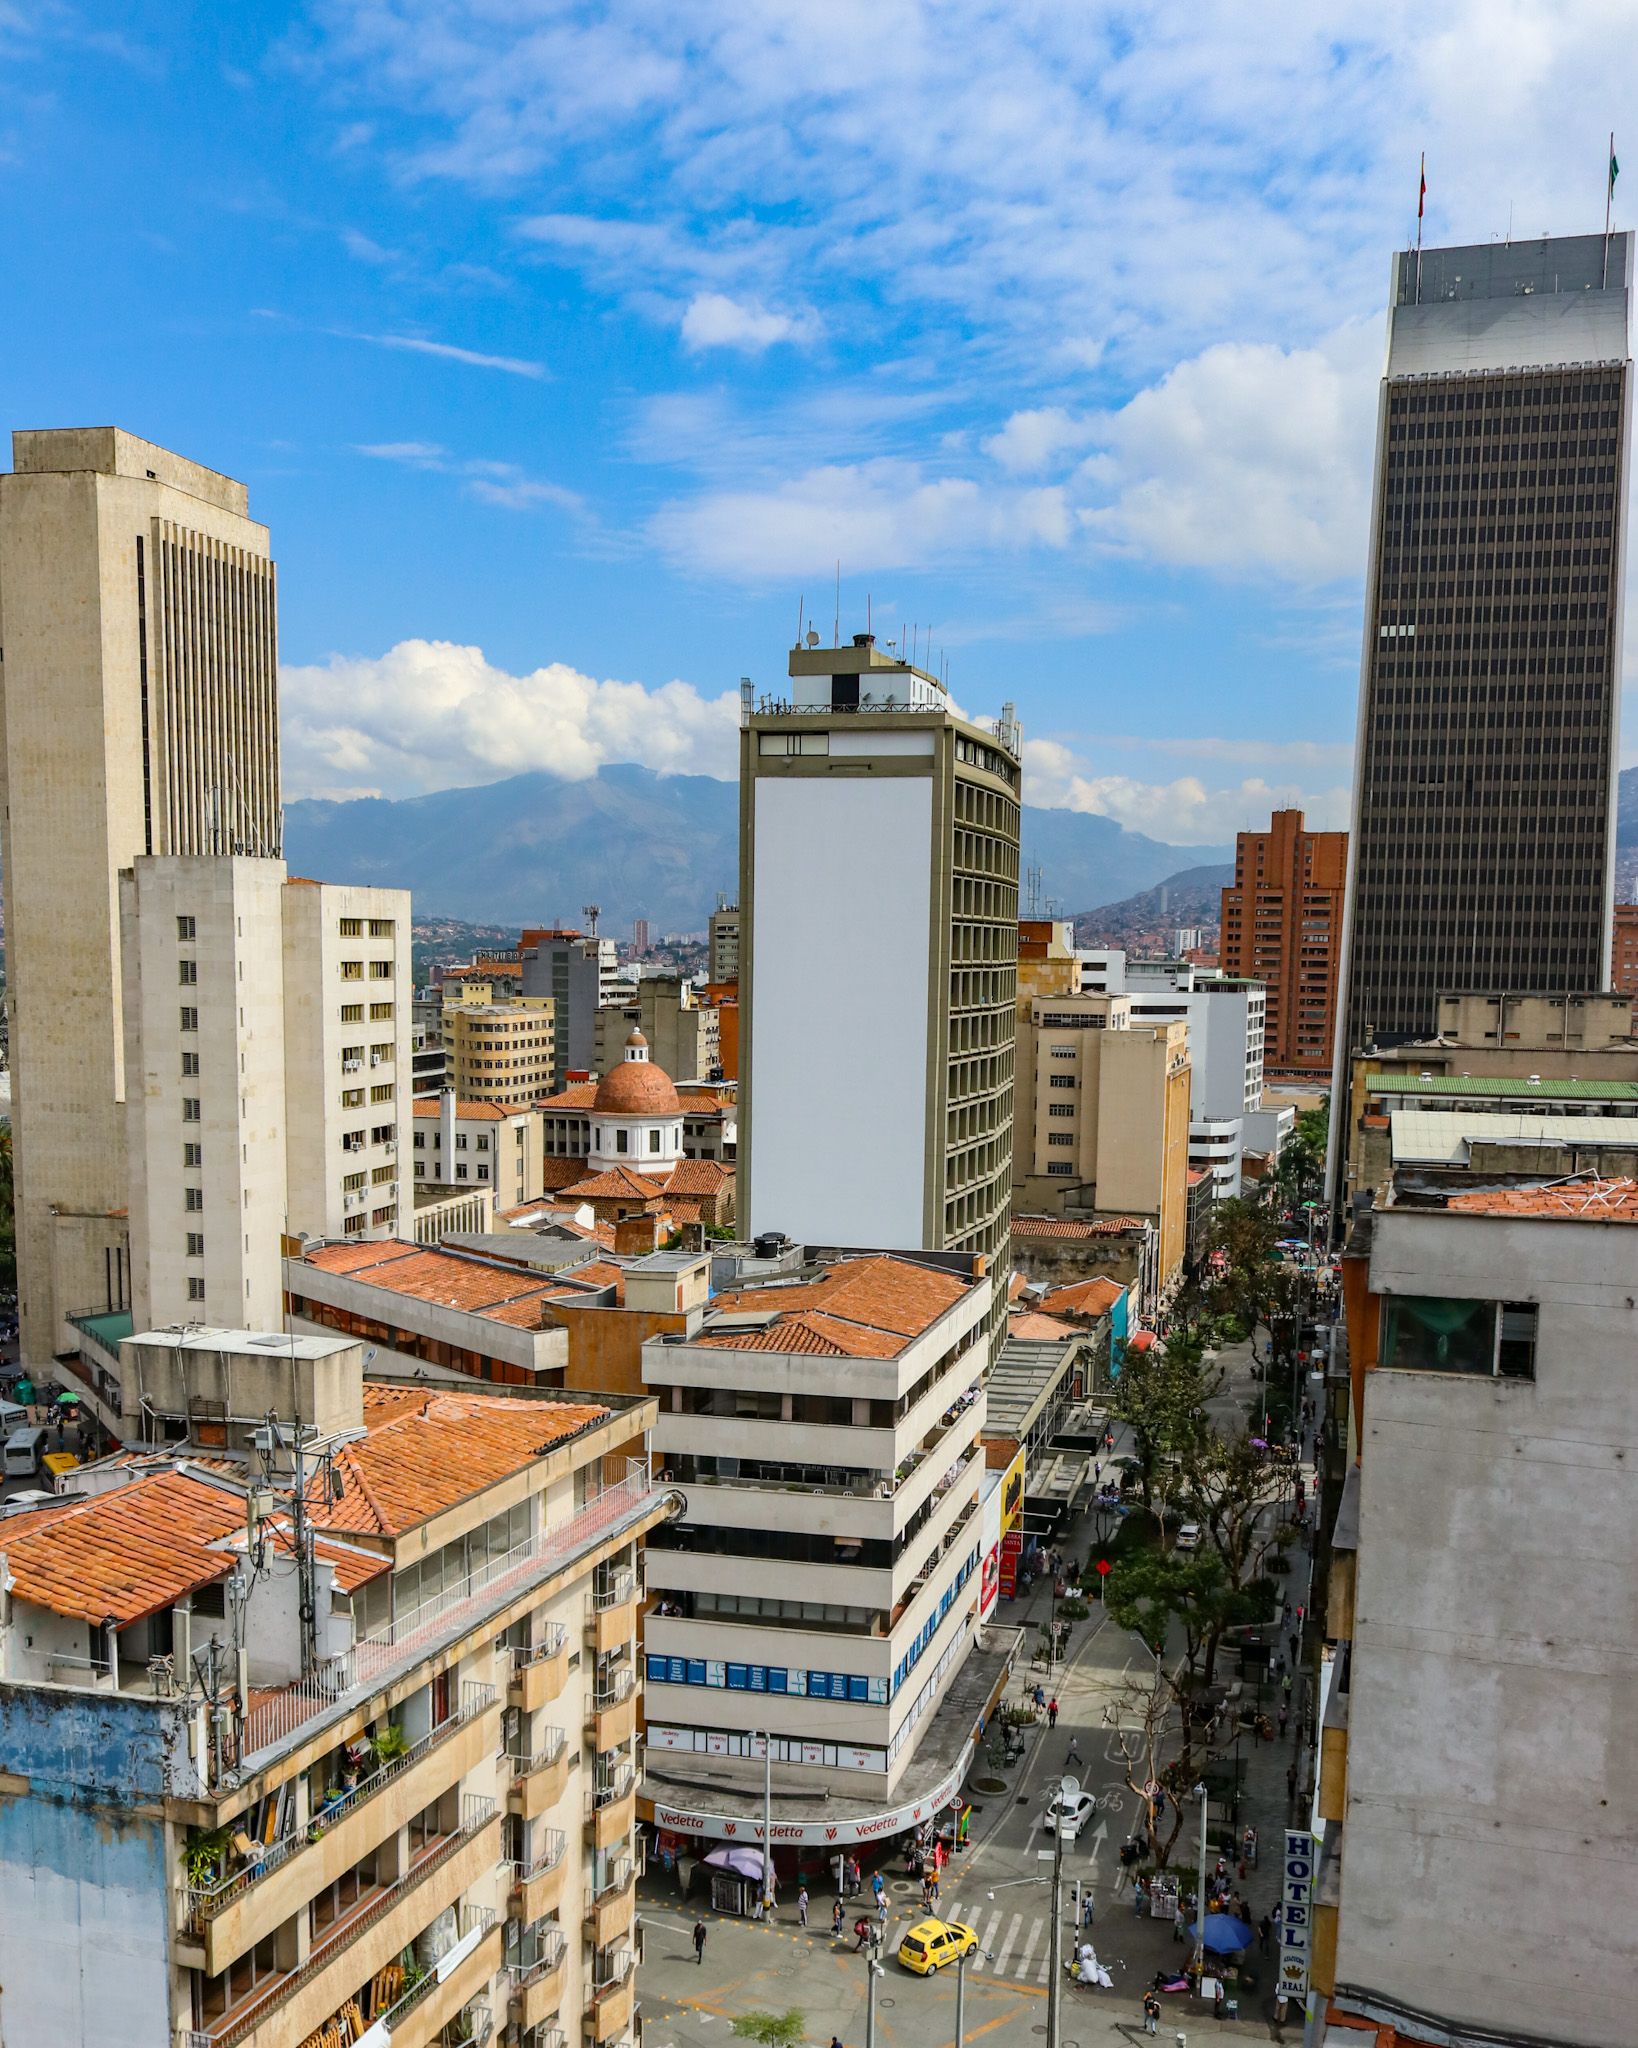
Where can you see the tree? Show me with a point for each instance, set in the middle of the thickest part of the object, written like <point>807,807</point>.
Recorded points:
<point>1161,1396</point>
<point>771,2029</point>
<point>1300,1174</point>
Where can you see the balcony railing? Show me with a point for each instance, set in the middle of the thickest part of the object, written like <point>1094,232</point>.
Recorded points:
<point>204,1904</point>
<point>476,1814</point>
<point>614,1590</point>
<point>545,1754</point>
<point>613,1785</point>
<point>380,1657</point>
<point>472,1919</point>
<point>616,1689</point>
<point>611,1972</point>
<point>548,1859</point>
<point>525,1654</point>
<point>469,2029</point>
<point>553,1944</point>
<point>620,1874</point>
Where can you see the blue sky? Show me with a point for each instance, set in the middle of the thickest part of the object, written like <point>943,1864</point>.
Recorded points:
<point>566,349</point>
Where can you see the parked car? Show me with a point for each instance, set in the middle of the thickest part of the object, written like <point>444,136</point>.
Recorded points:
<point>1188,1537</point>
<point>1070,1810</point>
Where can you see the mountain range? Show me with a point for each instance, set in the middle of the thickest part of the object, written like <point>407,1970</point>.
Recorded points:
<point>535,847</point>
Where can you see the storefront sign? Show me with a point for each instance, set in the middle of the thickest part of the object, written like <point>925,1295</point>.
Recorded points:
<point>868,1828</point>
<point>1012,1494</point>
<point>989,1585</point>
<point>1296,1903</point>
<point>1012,1546</point>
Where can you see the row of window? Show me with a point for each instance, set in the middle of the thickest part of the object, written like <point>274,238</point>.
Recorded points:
<point>379,927</point>
<point>775,1678</point>
<point>353,970</point>
<point>353,1013</point>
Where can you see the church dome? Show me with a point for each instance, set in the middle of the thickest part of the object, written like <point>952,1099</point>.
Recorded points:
<point>636,1087</point>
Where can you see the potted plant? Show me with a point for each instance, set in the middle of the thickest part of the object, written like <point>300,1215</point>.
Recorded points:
<point>389,1744</point>
<point>207,1858</point>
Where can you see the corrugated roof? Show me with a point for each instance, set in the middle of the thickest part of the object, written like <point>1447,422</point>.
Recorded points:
<point>1488,1087</point>
<point>1444,1137</point>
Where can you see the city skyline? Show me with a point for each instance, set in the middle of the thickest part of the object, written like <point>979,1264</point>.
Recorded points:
<point>607,423</point>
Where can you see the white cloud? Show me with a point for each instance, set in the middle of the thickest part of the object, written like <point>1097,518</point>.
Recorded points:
<point>514,366</point>
<point>1032,440</point>
<point>1186,811</point>
<point>493,483</point>
<point>713,320</point>
<point>429,715</point>
<point>888,514</point>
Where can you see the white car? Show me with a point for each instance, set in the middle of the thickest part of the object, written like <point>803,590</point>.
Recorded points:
<point>1069,1811</point>
<point>1188,1537</point>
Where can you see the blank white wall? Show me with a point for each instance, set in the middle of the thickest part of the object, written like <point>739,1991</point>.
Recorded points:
<point>842,881</point>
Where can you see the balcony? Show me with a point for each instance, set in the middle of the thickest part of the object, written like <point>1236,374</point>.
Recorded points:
<point>539,1670</point>
<point>611,1809</point>
<point>612,1911</point>
<point>232,1916</point>
<point>612,1620</point>
<point>612,1719</point>
<point>537,1887</point>
<point>608,2008</point>
<point>540,1776</point>
<point>537,1987</point>
<point>439,2000</point>
<point>345,1683</point>
<point>300,2002</point>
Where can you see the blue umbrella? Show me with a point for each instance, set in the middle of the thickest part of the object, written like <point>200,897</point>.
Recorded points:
<point>1225,1936</point>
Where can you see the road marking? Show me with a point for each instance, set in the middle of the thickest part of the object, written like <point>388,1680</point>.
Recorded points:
<point>986,1941</point>
<point>1029,1949</point>
<point>1005,1949</point>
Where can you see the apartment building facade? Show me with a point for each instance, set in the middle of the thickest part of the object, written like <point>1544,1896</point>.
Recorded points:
<point>138,716</point>
<point>681,1027</point>
<point>408,1814</point>
<point>1475,1695</point>
<point>501,1052</point>
<point>1282,926</point>
<point>820,1587</point>
<point>1104,1118</point>
<point>579,973</point>
<point>723,942</point>
<point>917,893</point>
<point>478,1144</point>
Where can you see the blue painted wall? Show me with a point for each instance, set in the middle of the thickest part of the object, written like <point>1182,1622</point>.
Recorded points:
<point>1117,1333</point>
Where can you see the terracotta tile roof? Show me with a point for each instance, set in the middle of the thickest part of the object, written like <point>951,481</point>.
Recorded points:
<point>557,1174</point>
<point>810,1332</point>
<point>128,1552</point>
<point>872,1297</point>
<point>683,1208</point>
<point>502,1293</point>
<point>343,1257</point>
<point>699,1177</point>
<point>352,1567</point>
<point>441,1450</point>
<point>619,1183</point>
<point>1592,1200</point>
<point>467,1112</point>
<point>1036,1328</point>
<point>578,1095</point>
<point>1083,1298</point>
<point>1067,1226</point>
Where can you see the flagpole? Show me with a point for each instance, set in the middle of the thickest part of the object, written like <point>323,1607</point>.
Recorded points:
<point>1609,200</point>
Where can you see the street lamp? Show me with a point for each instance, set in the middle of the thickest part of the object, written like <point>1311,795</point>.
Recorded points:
<point>872,1972</point>
<point>961,1990</point>
<point>1200,1892</point>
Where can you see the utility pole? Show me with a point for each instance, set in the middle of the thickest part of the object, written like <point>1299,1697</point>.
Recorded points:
<point>1055,1952</point>
<point>872,1971</point>
<point>767,1827</point>
<point>1200,1894</point>
<point>961,2000</point>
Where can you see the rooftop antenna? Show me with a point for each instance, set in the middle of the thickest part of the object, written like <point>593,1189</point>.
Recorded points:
<point>591,912</point>
<point>836,637</point>
<point>869,623</point>
<point>801,616</point>
<point>1032,884</point>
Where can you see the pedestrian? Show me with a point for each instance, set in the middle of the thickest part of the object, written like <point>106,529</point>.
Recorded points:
<point>802,1907</point>
<point>1180,1922</point>
<point>837,1917</point>
<point>1089,1909</point>
<point>1265,1929</point>
<point>699,1941</point>
<point>1291,1781</point>
<point>1285,1716</point>
<point>1073,1754</point>
<point>1296,1645</point>
<point>934,1887</point>
<point>878,1889</point>
<point>1151,2013</point>
<point>1052,1713</point>
<point>881,1907</point>
<point>861,1933</point>
<point>1140,1897</point>
<point>1285,1685</point>
<point>927,1895</point>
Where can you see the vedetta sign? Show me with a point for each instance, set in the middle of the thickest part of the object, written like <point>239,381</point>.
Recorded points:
<point>868,1828</point>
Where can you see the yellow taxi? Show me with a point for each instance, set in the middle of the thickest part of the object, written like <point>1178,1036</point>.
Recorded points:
<point>931,1944</point>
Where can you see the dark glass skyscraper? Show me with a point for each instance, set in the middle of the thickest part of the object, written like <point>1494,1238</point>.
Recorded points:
<point>1482,846</point>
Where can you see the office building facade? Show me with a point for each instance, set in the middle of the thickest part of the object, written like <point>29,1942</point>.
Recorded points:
<point>1282,925</point>
<point>879,855</point>
<point>580,973</point>
<point>139,716</point>
<point>1481,854</point>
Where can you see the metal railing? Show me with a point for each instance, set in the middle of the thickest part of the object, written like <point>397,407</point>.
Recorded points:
<point>469,1917</point>
<point>204,1903</point>
<point>553,1946</point>
<point>620,1686</point>
<point>377,1658</point>
<point>549,1858</point>
<point>620,1874</point>
<point>525,1654</point>
<point>613,1785</point>
<point>614,1590</point>
<point>611,1972</point>
<point>470,2028</point>
<point>476,1814</point>
<point>553,1743</point>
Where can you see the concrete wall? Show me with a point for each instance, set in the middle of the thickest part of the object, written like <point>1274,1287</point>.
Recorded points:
<point>85,1936</point>
<point>1488,1869</point>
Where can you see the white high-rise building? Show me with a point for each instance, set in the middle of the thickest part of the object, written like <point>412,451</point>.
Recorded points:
<point>267,1053</point>
<point>138,716</point>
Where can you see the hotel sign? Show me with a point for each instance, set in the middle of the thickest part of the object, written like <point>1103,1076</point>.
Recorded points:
<point>1296,1913</point>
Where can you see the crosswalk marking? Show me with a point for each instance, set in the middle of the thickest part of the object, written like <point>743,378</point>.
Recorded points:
<point>1029,1948</point>
<point>1005,1949</point>
<point>986,1940</point>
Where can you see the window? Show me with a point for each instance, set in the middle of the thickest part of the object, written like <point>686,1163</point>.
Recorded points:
<point>381,1092</point>
<point>1060,1137</point>
<point>196,1289</point>
<point>352,1098</point>
<point>190,1019</point>
<point>460,1141</point>
<point>187,973</point>
<point>1060,1166</point>
<point>381,1175</point>
<point>196,1244</point>
<point>383,1134</point>
<point>621,1139</point>
<point>420,1141</point>
<point>483,1141</point>
<point>381,1013</point>
<point>381,970</point>
<point>381,927</point>
<point>1062,1080</point>
<point>193,1155</point>
<point>654,1141</point>
<point>352,1182</point>
<point>352,970</point>
<point>186,930</point>
<point>193,1198</point>
<point>190,1064</point>
<point>460,1173</point>
<point>1060,1109</point>
<point>352,1013</point>
<point>190,1109</point>
<point>1447,1333</point>
<point>352,927</point>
